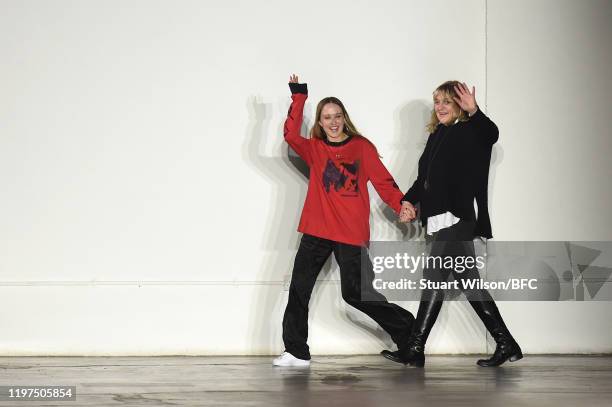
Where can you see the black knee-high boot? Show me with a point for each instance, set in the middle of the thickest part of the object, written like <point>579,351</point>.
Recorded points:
<point>507,348</point>
<point>414,353</point>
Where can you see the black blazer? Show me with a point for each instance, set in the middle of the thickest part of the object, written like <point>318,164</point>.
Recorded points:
<point>454,169</point>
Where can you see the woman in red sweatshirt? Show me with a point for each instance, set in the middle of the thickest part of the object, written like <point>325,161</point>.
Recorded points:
<point>335,219</point>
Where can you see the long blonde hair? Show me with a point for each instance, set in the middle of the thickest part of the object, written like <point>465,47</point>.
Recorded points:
<point>447,89</point>
<point>318,132</point>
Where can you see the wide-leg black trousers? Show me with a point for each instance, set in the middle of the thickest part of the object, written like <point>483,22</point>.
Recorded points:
<point>311,256</point>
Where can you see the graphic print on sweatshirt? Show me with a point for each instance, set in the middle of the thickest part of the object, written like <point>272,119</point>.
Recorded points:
<point>342,177</point>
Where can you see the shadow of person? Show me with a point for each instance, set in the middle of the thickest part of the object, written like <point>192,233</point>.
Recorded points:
<point>497,157</point>
<point>409,142</point>
<point>298,163</point>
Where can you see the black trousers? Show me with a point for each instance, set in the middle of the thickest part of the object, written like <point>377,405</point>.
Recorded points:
<point>312,254</point>
<point>456,242</point>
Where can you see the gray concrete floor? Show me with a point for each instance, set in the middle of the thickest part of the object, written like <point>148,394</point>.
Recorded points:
<point>331,380</point>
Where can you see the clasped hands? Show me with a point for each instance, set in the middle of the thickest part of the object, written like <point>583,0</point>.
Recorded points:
<point>408,212</point>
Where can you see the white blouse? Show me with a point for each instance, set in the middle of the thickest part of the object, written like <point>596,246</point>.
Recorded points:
<point>444,220</point>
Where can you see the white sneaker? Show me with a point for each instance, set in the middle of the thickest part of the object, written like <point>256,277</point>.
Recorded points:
<point>287,359</point>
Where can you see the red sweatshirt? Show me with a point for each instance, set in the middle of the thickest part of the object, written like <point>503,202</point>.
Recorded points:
<point>337,203</point>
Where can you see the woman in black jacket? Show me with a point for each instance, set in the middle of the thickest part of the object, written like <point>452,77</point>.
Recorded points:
<point>451,188</point>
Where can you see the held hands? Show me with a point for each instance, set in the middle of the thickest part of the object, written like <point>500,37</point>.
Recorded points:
<point>407,212</point>
<point>293,78</point>
<point>466,99</point>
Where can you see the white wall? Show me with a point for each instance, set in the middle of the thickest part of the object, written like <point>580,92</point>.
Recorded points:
<point>548,90</point>
<point>150,205</point>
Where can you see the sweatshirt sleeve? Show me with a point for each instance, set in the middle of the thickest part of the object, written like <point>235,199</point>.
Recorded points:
<point>293,123</point>
<point>381,179</point>
<point>485,130</point>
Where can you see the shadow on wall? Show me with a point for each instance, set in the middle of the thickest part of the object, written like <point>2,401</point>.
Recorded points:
<point>497,157</point>
<point>409,135</point>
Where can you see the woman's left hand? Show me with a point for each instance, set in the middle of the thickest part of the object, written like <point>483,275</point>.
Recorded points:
<point>466,99</point>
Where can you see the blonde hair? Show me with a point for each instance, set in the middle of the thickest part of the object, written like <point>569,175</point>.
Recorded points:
<point>446,89</point>
<point>349,128</point>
